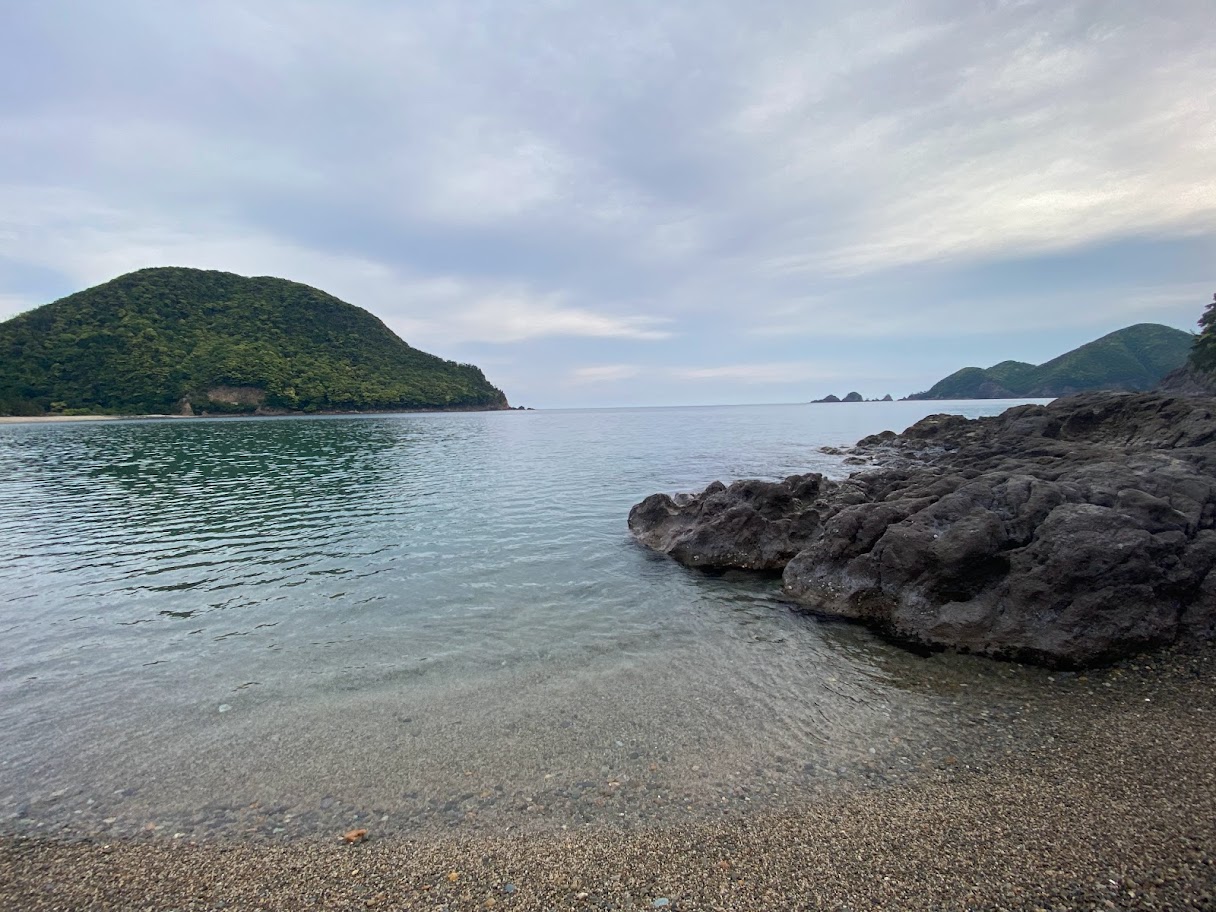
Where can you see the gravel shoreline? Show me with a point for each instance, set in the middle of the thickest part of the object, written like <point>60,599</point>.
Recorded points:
<point>1117,810</point>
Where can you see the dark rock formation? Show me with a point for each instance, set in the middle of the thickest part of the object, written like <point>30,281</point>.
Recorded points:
<point>753,525</point>
<point>1067,535</point>
<point>853,397</point>
<point>1188,381</point>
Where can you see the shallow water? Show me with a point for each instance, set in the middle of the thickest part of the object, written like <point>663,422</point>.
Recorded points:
<point>287,626</point>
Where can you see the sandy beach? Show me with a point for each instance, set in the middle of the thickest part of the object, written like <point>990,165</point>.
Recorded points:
<point>1115,809</point>
<point>58,419</point>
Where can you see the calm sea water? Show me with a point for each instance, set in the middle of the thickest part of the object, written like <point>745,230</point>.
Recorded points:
<point>288,626</point>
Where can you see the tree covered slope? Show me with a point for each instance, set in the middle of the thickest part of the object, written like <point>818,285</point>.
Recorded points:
<point>1135,358</point>
<point>1203,355</point>
<point>161,340</point>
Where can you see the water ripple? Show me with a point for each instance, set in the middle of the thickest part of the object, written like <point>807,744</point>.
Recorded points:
<point>318,575</point>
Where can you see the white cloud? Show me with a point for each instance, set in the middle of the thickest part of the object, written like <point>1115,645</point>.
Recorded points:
<point>605,373</point>
<point>470,314</point>
<point>81,236</point>
<point>817,62</point>
<point>483,173</point>
<point>76,234</point>
<point>1008,131</point>
<point>774,372</point>
<point>868,319</point>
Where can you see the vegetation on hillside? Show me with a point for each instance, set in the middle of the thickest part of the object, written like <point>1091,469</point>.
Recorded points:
<point>1135,358</point>
<point>1203,355</point>
<point>151,341</point>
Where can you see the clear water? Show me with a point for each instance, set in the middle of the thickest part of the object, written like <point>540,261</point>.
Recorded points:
<point>289,626</point>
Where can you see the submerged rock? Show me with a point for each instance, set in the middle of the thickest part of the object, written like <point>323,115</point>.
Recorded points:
<point>1066,535</point>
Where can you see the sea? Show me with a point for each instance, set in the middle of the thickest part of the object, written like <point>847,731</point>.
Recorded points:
<point>277,628</point>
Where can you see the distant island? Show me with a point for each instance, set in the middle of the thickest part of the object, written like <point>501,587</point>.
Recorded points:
<point>849,397</point>
<point>1135,358</point>
<point>173,340</point>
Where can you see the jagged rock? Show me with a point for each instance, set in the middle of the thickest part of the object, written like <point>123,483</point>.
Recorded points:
<point>751,525</point>
<point>1067,534</point>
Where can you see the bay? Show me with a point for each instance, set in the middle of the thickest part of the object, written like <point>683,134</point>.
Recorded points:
<point>284,627</point>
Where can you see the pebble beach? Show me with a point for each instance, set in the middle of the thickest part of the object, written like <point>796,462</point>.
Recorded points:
<point>1114,808</point>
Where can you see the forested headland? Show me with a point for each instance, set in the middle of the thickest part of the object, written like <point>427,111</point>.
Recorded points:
<point>1134,358</point>
<point>178,340</point>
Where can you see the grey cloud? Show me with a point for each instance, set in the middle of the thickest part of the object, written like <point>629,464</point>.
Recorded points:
<point>707,170</point>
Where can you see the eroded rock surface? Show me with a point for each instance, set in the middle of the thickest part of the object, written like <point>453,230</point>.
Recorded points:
<point>1067,534</point>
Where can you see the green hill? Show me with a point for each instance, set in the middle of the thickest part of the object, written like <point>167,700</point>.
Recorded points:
<point>171,339</point>
<point>1135,358</point>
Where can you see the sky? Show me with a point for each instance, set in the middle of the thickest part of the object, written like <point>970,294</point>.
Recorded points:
<point>634,203</point>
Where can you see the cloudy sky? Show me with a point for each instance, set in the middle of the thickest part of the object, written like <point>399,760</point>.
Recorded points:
<point>634,203</point>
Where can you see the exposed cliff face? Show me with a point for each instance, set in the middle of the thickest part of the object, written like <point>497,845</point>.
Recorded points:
<point>1067,534</point>
<point>237,395</point>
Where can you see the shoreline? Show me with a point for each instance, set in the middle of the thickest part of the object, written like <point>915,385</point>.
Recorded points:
<point>1113,805</point>
<point>56,419</point>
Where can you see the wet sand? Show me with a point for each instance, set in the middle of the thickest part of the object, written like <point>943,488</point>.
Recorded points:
<point>1114,807</point>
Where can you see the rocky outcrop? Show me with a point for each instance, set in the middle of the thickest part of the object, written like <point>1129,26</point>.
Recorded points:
<point>751,525</point>
<point>1188,381</point>
<point>1067,535</point>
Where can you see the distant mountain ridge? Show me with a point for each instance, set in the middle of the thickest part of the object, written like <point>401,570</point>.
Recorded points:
<point>1133,358</point>
<point>174,339</point>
